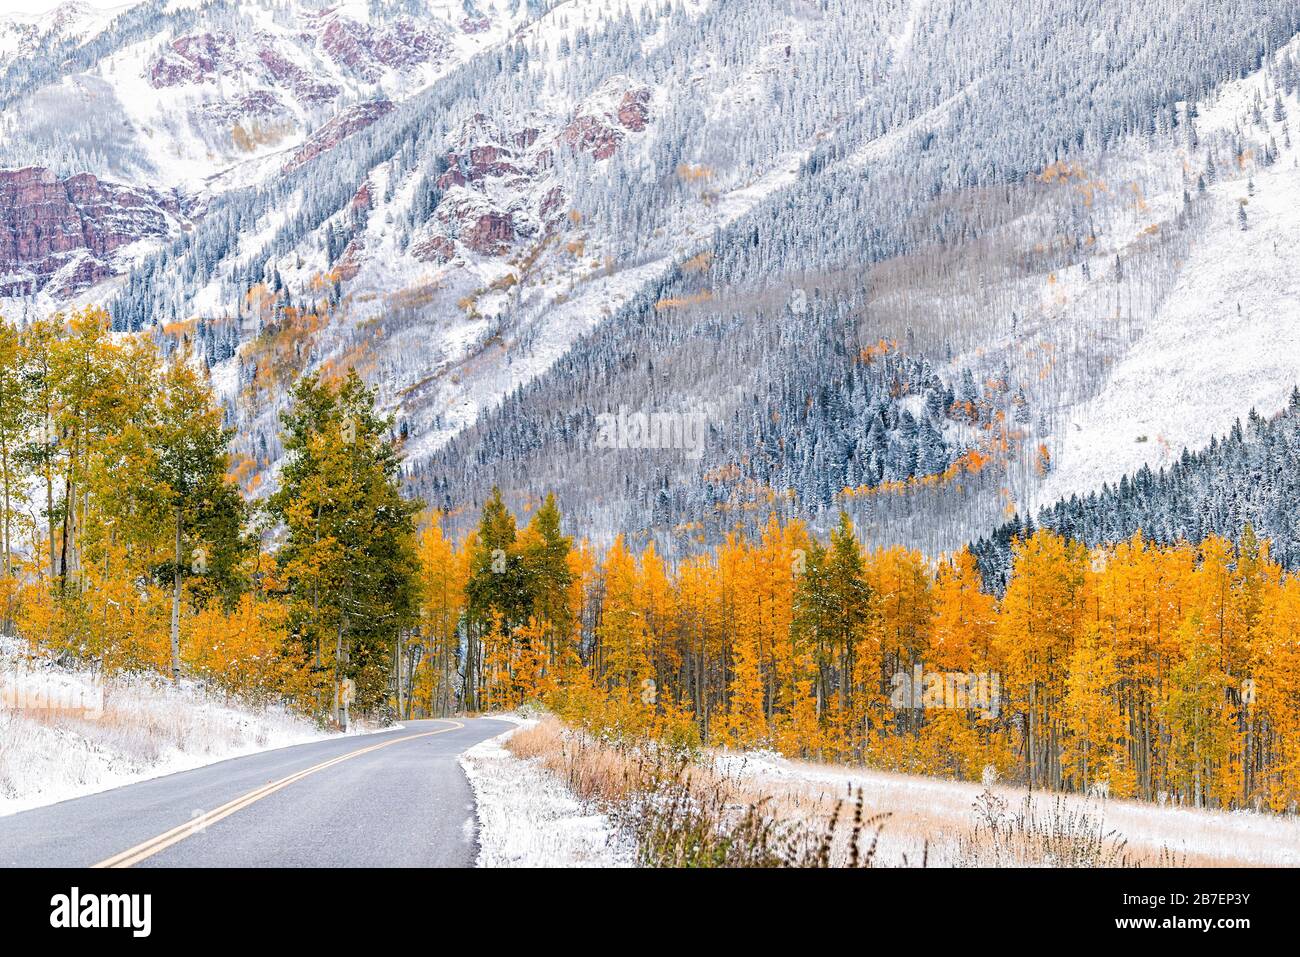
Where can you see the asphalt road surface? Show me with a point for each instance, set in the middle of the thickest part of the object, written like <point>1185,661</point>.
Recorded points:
<point>394,799</point>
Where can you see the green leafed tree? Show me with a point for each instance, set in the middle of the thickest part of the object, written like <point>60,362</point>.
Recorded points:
<point>204,512</point>
<point>348,559</point>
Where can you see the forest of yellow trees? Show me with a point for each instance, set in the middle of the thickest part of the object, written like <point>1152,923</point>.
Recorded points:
<point>1167,673</point>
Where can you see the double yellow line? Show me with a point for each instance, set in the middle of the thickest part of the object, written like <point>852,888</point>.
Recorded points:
<point>149,848</point>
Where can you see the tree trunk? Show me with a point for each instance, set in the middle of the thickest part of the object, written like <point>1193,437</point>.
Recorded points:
<point>176,604</point>
<point>49,498</point>
<point>7,625</point>
<point>1030,737</point>
<point>63,541</point>
<point>4,463</point>
<point>471,676</point>
<point>397,673</point>
<point>341,715</point>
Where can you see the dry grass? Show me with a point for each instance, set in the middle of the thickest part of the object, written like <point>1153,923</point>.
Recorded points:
<point>1059,833</point>
<point>738,810</point>
<point>934,818</point>
<point>688,814</point>
<point>593,771</point>
<point>140,726</point>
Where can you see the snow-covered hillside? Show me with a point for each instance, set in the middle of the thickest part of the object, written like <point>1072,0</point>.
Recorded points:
<point>1225,338</point>
<point>65,732</point>
<point>1041,291</point>
<point>200,93</point>
<point>22,32</point>
<point>512,217</point>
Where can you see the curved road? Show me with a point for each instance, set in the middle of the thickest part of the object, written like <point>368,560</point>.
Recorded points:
<point>394,799</point>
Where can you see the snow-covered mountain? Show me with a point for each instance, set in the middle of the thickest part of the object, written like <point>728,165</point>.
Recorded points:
<point>75,21</point>
<point>932,261</point>
<point>184,94</point>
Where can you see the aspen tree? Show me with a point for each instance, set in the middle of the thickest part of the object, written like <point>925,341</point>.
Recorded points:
<point>1094,751</point>
<point>547,577</point>
<point>1136,601</point>
<point>15,420</point>
<point>443,574</point>
<point>89,402</point>
<point>900,627</point>
<point>658,605</point>
<point>1036,629</point>
<point>583,574</point>
<point>1273,698</point>
<point>44,450</point>
<point>190,448</point>
<point>741,566</point>
<point>1196,710</point>
<point>622,630</point>
<point>965,617</point>
<point>701,638</point>
<point>349,556</point>
<point>847,615</point>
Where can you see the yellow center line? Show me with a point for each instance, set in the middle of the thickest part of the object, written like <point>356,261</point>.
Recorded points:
<point>149,848</point>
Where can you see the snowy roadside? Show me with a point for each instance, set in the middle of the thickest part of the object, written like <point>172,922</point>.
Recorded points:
<point>527,816</point>
<point>539,793</point>
<point>65,734</point>
<point>930,816</point>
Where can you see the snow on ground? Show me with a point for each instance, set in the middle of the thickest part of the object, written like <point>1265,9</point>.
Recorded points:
<point>935,812</point>
<point>65,733</point>
<point>558,321</point>
<point>1225,340</point>
<point>24,22</point>
<point>528,818</point>
<point>901,42</point>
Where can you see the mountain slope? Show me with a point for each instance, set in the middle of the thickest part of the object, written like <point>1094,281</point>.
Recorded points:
<point>926,261</point>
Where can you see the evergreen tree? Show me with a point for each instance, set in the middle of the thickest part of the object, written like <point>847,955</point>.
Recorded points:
<point>189,474</point>
<point>348,556</point>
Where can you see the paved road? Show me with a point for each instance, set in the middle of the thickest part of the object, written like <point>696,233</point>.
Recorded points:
<point>395,799</point>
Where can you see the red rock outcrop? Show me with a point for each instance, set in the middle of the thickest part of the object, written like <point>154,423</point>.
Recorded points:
<point>608,115</point>
<point>552,206</point>
<point>62,233</point>
<point>349,263</point>
<point>477,163</point>
<point>489,234</point>
<point>589,134</point>
<point>352,120</point>
<point>497,186</point>
<point>362,199</point>
<point>488,188</point>
<point>207,57</point>
<point>195,59</point>
<point>434,248</point>
<point>307,89</point>
<point>634,110</point>
<point>368,51</point>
